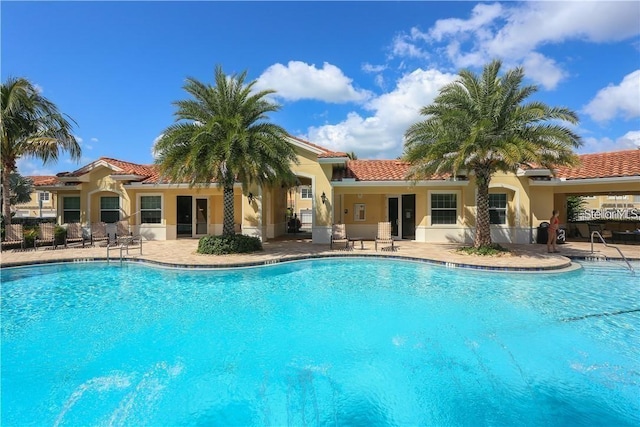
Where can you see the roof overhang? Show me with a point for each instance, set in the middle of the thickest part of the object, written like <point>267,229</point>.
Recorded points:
<point>533,172</point>
<point>150,185</point>
<point>125,177</point>
<point>332,160</point>
<point>81,178</point>
<point>559,182</point>
<point>56,188</point>
<point>434,183</point>
<point>304,146</point>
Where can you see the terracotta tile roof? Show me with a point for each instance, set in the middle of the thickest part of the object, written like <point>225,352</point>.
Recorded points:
<point>129,168</point>
<point>326,153</point>
<point>604,165</point>
<point>39,180</point>
<point>373,170</point>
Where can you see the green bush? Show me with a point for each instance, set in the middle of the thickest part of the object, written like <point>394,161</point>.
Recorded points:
<point>60,234</point>
<point>490,250</point>
<point>30,235</point>
<point>233,244</point>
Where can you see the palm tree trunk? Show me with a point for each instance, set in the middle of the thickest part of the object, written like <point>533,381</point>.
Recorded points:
<point>6,194</point>
<point>483,223</point>
<point>227,223</point>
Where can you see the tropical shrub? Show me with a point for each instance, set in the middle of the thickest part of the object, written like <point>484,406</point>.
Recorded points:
<point>228,244</point>
<point>60,234</point>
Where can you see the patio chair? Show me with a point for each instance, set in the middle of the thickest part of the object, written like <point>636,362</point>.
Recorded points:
<point>99,232</point>
<point>384,235</point>
<point>122,230</point>
<point>339,235</point>
<point>606,234</point>
<point>13,234</point>
<point>45,235</point>
<point>74,234</point>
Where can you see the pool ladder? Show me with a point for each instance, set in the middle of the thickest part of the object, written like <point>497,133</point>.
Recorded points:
<point>123,244</point>
<point>597,234</point>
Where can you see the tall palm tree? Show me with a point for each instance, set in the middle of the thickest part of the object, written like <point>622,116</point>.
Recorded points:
<point>32,126</point>
<point>223,135</point>
<point>482,124</point>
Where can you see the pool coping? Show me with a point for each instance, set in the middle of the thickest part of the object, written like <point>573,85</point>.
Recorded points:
<point>559,268</point>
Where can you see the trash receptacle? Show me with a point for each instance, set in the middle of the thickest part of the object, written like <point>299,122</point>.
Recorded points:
<point>543,233</point>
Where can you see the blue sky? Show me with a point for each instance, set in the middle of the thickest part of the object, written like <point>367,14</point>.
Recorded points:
<point>349,76</point>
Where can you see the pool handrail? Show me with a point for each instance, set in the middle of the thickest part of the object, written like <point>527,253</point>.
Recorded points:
<point>597,233</point>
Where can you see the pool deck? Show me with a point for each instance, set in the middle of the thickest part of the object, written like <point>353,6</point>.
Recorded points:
<point>182,253</point>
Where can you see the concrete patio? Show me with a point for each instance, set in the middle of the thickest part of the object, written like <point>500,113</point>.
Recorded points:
<point>182,253</point>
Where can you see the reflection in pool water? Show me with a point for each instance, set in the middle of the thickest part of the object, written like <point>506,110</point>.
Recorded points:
<point>333,342</point>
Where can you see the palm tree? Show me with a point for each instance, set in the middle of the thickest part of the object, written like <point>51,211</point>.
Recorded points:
<point>223,135</point>
<point>21,188</point>
<point>481,124</point>
<point>30,125</point>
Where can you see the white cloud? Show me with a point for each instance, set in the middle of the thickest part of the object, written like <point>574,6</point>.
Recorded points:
<point>515,32</point>
<point>298,80</point>
<point>481,15</point>
<point>94,140</point>
<point>623,99</point>
<point>370,68</point>
<point>380,135</point>
<point>31,167</point>
<point>629,141</point>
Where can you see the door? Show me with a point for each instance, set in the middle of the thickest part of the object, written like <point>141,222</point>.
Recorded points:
<point>201,217</point>
<point>393,215</point>
<point>184,218</point>
<point>409,216</point>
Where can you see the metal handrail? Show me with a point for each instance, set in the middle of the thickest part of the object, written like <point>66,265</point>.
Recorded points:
<point>125,246</point>
<point>597,233</point>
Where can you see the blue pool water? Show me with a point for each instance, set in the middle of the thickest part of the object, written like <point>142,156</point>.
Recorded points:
<point>357,342</point>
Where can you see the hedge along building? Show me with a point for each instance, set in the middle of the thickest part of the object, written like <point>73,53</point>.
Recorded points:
<point>358,193</point>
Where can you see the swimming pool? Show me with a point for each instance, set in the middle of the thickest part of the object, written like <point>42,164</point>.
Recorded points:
<point>333,342</point>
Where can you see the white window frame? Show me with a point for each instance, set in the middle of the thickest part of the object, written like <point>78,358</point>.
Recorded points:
<point>64,221</point>
<point>357,208</point>
<point>111,210</point>
<point>162,219</point>
<point>309,193</point>
<point>45,196</point>
<point>505,209</point>
<point>430,209</point>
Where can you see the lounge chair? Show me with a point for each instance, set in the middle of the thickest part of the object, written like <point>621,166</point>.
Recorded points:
<point>74,234</point>
<point>122,229</point>
<point>45,235</point>
<point>606,234</point>
<point>13,234</point>
<point>339,235</point>
<point>99,232</point>
<point>384,235</point>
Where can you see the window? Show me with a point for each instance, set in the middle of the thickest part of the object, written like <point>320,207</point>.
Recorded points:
<point>70,210</point>
<point>498,208</point>
<point>359,212</point>
<point>444,208</point>
<point>616,197</point>
<point>45,196</point>
<point>305,193</point>
<point>150,209</point>
<point>110,209</point>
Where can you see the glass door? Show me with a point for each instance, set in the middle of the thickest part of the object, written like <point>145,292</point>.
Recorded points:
<point>393,215</point>
<point>201,217</point>
<point>184,217</point>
